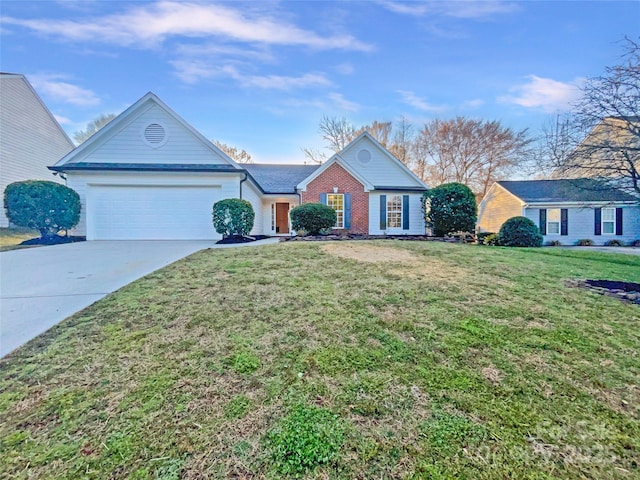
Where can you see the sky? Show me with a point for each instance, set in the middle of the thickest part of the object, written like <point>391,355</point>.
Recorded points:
<point>261,75</point>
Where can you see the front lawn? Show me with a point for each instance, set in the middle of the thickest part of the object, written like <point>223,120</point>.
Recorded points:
<point>379,359</point>
<point>10,238</point>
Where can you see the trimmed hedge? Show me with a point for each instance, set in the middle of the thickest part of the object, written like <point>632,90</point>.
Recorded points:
<point>519,232</point>
<point>312,218</point>
<point>45,206</point>
<point>233,217</point>
<point>450,208</point>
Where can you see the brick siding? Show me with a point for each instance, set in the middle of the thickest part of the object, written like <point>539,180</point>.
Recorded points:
<point>336,176</point>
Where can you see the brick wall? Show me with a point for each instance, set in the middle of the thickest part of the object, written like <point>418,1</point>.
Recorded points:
<point>336,176</point>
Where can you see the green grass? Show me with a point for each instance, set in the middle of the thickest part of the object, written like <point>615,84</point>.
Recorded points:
<point>464,362</point>
<point>10,238</point>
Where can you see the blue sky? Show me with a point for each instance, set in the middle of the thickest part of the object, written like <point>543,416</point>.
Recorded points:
<point>260,75</point>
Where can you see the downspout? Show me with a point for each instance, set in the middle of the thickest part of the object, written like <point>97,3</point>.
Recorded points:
<point>241,182</point>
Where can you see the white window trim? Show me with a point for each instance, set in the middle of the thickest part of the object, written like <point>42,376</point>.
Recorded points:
<point>613,222</point>
<point>401,212</point>
<point>559,222</point>
<point>342,210</point>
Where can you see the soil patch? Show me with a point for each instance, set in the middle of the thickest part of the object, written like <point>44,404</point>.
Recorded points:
<point>240,239</point>
<point>626,291</point>
<point>368,253</point>
<point>57,240</point>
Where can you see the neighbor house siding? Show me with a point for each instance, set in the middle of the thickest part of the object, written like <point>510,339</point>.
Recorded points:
<point>30,137</point>
<point>126,144</point>
<point>580,222</point>
<point>337,176</point>
<point>82,183</point>
<point>416,215</point>
<point>496,207</point>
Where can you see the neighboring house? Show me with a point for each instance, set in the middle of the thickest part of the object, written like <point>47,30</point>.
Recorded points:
<point>564,210</point>
<point>148,174</point>
<point>30,137</point>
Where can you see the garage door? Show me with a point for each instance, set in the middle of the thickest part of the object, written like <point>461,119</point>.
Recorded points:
<point>151,212</point>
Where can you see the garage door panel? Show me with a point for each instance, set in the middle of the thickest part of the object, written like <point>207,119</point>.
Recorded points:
<point>151,212</point>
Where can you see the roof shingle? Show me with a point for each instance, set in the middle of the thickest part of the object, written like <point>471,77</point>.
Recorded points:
<point>565,190</point>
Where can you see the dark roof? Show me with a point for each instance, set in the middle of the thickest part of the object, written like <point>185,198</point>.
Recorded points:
<point>146,167</point>
<point>279,178</point>
<point>565,190</point>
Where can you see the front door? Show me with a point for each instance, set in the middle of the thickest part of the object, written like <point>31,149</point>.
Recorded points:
<point>282,218</point>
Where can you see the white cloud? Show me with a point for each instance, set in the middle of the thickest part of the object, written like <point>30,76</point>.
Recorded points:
<point>544,94</point>
<point>410,98</point>
<point>150,24</point>
<point>55,86</point>
<point>476,9</point>
<point>338,100</point>
<point>62,120</point>
<point>475,103</point>
<point>345,69</point>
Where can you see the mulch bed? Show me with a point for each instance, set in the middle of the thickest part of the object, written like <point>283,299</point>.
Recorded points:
<point>625,291</point>
<point>240,239</point>
<point>354,236</point>
<point>57,240</point>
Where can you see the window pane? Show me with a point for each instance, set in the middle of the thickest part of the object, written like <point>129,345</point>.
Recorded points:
<point>608,227</point>
<point>608,214</point>
<point>336,201</point>
<point>553,215</point>
<point>394,211</point>
<point>553,228</point>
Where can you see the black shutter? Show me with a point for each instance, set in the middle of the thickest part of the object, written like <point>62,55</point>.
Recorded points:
<point>405,212</point>
<point>564,221</point>
<point>383,212</point>
<point>323,198</point>
<point>597,221</point>
<point>543,221</point>
<point>347,210</point>
<point>618,221</point>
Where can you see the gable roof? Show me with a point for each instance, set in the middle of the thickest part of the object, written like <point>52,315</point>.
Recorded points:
<point>279,178</point>
<point>360,176</point>
<point>113,126</point>
<point>564,190</point>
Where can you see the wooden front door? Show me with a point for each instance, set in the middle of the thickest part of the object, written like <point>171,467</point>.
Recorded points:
<point>282,218</point>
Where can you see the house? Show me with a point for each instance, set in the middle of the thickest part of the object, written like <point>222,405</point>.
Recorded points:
<point>566,210</point>
<point>148,174</point>
<point>30,137</point>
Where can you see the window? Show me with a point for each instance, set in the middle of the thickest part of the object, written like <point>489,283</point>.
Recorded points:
<point>608,221</point>
<point>394,211</point>
<point>336,201</point>
<point>553,221</point>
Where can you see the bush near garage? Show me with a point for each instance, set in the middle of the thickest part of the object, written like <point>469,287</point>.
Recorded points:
<point>519,232</point>
<point>233,217</point>
<point>449,208</point>
<point>45,206</point>
<point>312,218</point>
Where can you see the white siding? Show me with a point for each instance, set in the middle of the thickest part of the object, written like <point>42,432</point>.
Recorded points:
<point>30,138</point>
<point>580,225</point>
<point>227,186</point>
<point>380,169</point>
<point>126,144</point>
<point>416,216</point>
<point>252,195</point>
<point>497,206</point>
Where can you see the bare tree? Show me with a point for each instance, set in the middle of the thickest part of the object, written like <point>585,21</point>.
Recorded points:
<point>402,143</point>
<point>238,156</point>
<point>610,110</point>
<point>337,132</point>
<point>554,147</point>
<point>92,127</point>
<point>472,152</point>
<point>381,131</point>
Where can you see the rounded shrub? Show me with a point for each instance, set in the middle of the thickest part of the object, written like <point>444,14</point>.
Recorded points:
<point>312,218</point>
<point>491,240</point>
<point>45,206</point>
<point>614,243</point>
<point>449,208</point>
<point>233,217</point>
<point>519,232</point>
<point>585,242</point>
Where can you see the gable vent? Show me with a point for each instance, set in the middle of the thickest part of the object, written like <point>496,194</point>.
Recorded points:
<point>155,135</point>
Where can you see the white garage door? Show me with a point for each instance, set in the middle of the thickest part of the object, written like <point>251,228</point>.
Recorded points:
<point>151,212</point>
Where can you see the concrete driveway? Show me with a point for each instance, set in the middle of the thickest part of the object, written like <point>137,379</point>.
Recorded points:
<point>40,287</point>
